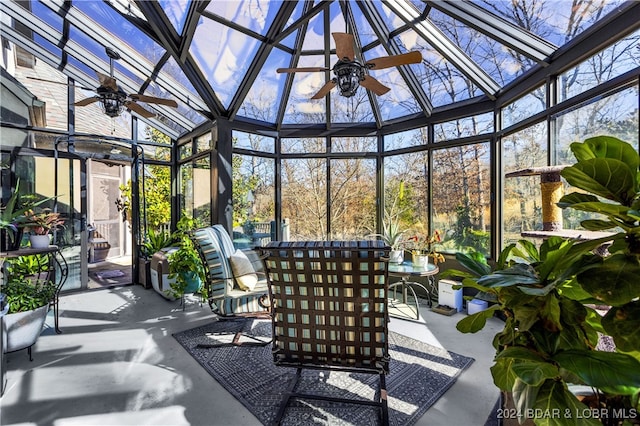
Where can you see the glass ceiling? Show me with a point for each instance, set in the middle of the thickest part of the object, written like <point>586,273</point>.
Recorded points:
<point>218,59</point>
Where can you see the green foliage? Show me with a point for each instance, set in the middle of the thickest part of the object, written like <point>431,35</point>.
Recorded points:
<point>243,184</point>
<point>23,294</point>
<point>12,214</point>
<point>547,296</point>
<point>155,241</point>
<point>24,266</point>
<point>186,262</point>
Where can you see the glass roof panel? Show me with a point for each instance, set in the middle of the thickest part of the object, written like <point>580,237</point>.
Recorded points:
<point>122,30</point>
<point>500,62</point>
<point>314,37</point>
<point>443,82</point>
<point>176,11</point>
<point>557,21</point>
<point>264,97</point>
<point>190,114</point>
<point>52,48</point>
<point>300,107</point>
<point>290,40</point>
<point>47,15</point>
<point>173,70</point>
<point>222,54</point>
<point>255,15</point>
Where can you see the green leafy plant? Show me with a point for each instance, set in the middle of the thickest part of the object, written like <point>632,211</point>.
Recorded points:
<point>12,215</point>
<point>23,294</point>
<point>43,221</point>
<point>185,264</point>
<point>26,266</point>
<point>155,241</point>
<point>548,297</point>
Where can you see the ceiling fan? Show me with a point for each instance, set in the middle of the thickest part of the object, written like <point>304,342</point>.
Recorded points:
<point>350,73</point>
<point>113,100</point>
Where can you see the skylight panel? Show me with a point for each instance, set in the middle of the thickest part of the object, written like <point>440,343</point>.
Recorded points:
<point>222,54</point>
<point>176,11</point>
<point>47,15</point>
<point>557,21</point>
<point>255,15</point>
<point>263,99</point>
<point>500,62</point>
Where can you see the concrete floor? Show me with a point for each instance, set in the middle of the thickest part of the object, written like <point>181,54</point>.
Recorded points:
<point>116,363</point>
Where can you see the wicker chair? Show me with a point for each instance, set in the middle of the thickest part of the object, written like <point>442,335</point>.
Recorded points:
<point>330,310</point>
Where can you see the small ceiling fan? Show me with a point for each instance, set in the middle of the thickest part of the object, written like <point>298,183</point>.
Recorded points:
<point>113,100</point>
<point>350,74</point>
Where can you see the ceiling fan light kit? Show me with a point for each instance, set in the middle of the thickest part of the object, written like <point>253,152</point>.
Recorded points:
<point>351,74</point>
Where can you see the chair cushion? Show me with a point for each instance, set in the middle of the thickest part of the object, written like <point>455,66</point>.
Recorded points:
<point>243,270</point>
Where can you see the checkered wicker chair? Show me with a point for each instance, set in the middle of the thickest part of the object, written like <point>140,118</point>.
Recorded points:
<point>330,310</point>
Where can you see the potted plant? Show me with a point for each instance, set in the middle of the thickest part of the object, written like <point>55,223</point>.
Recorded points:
<point>552,298</point>
<point>392,236</point>
<point>40,224</point>
<point>186,269</point>
<point>12,218</point>
<point>423,247</point>
<point>155,240</point>
<point>29,302</point>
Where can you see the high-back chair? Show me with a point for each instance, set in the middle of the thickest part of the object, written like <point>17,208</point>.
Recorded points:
<point>330,310</point>
<point>236,286</point>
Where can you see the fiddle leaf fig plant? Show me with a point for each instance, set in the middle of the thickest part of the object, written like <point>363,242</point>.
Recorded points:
<point>552,298</point>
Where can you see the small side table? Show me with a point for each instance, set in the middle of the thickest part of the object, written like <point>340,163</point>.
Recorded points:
<point>405,271</point>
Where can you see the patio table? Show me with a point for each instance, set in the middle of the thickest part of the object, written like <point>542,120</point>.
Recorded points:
<point>406,270</point>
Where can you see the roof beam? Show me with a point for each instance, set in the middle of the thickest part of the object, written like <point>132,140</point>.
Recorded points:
<point>392,48</point>
<point>495,27</point>
<point>436,38</point>
<point>279,21</point>
<point>135,61</point>
<point>158,20</point>
<point>79,52</point>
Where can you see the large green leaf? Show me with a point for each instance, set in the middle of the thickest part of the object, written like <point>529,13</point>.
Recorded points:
<point>524,397</point>
<point>503,376</point>
<point>614,280</point>
<point>597,225</point>
<point>576,198</point>
<point>611,147</point>
<point>609,209</point>
<point>623,324</point>
<point>476,322</point>
<point>556,406</point>
<point>519,274</point>
<point>608,178</point>
<point>534,373</point>
<point>601,369</point>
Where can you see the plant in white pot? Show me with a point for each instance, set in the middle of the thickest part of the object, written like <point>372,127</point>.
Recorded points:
<point>29,302</point>
<point>40,225</point>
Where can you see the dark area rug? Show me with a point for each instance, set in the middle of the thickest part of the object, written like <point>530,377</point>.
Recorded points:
<point>419,375</point>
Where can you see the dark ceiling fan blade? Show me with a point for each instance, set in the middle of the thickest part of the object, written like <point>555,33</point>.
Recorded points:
<point>324,90</point>
<point>87,101</point>
<point>414,57</point>
<point>344,45</point>
<point>62,84</point>
<point>374,85</point>
<point>154,100</point>
<point>307,69</point>
<point>138,109</point>
<point>108,82</point>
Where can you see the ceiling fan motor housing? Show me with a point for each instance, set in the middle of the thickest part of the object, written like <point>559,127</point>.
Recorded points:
<point>112,103</point>
<point>349,74</point>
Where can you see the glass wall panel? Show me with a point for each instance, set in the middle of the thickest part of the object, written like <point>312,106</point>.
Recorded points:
<point>253,200</point>
<point>185,150</point>
<point>253,142</point>
<point>615,115</point>
<point>352,198</point>
<point>406,192</point>
<point>185,185</point>
<point>521,205</point>
<point>304,198</point>
<point>617,59</point>
<point>406,139</point>
<point>203,143</point>
<point>202,190</point>
<point>303,145</point>
<point>156,197</point>
<point>461,197</point>
<point>354,144</point>
<point>463,127</point>
<point>524,107</point>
